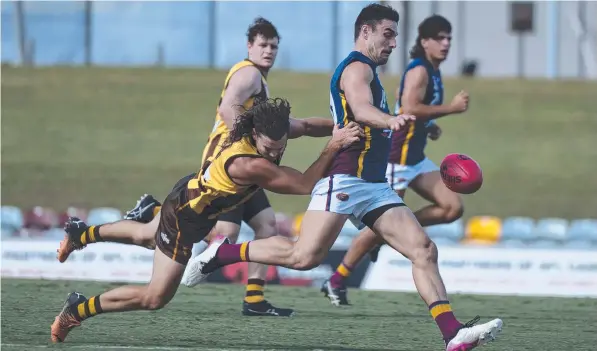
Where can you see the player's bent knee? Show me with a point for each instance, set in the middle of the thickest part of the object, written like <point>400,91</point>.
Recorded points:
<point>306,264</point>
<point>154,302</point>
<point>453,212</point>
<point>425,255</point>
<point>308,260</point>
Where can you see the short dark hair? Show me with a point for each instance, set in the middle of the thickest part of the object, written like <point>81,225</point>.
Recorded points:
<point>429,28</point>
<point>270,118</point>
<point>372,14</point>
<point>261,26</point>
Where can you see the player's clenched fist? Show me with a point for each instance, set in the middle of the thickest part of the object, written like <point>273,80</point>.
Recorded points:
<point>460,102</point>
<point>350,133</point>
<point>398,122</point>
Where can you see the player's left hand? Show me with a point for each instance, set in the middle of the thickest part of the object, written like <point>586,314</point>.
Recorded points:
<point>345,136</point>
<point>434,132</point>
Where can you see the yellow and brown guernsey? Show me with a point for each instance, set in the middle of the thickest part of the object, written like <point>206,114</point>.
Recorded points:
<point>220,131</point>
<point>212,191</point>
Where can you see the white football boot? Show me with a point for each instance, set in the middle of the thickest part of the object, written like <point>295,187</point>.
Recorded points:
<point>194,273</point>
<point>471,336</point>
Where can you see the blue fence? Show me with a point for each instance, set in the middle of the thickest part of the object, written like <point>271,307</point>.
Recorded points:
<point>212,34</point>
<point>315,35</point>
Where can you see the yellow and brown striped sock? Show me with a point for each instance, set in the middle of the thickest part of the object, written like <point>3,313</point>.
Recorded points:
<point>91,235</point>
<point>88,308</point>
<point>255,291</point>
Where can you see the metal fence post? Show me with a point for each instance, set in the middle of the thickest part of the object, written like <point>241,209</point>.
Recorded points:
<point>88,32</point>
<point>406,33</point>
<point>434,7</point>
<point>21,32</point>
<point>335,33</point>
<point>211,33</point>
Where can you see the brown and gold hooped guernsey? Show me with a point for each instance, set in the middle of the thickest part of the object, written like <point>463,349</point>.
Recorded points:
<point>212,191</point>
<point>190,212</point>
<point>220,131</point>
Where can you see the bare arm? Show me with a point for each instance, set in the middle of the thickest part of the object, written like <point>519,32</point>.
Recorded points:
<point>415,87</point>
<point>243,84</point>
<point>286,180</point>
<point>355,83</point>
<point>281,179</point>
<point>312,127</point>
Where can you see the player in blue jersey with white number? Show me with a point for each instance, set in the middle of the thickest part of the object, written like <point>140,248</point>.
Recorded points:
<point>356,188</point>
<point>420,93</point>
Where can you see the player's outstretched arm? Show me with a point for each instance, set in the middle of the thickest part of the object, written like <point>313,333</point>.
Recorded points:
<point>312,127</point>
<point>245,83</point>
<point>286,180</point>
<point>355,82</point>
<point>415,88</point>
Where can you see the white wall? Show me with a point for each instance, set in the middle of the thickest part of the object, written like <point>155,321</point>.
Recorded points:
<point>481,33</point>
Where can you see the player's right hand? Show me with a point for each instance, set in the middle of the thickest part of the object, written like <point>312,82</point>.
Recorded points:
<point>460,102</point>
<point>345,136</point>
<point>398,122</point>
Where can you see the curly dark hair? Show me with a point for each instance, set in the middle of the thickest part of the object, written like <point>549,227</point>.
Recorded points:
<point>429,28</point>
<point>270,118</point>
<point>261,26</point>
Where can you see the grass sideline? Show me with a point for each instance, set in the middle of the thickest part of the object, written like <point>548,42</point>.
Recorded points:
<point>104,136</point>
<point>209,318</point>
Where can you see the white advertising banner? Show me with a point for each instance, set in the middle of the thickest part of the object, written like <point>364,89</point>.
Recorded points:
<point>101,262</point>
<point>498,271</point>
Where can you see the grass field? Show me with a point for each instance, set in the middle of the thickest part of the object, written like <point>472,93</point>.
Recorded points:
<point>103,137</point>
<point>208,318</point>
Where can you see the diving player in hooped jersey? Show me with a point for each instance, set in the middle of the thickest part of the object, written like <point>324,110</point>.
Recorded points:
<point>355,187</point>
<point>420,93</point>
<point>244,86</point>
<point>247,161</point>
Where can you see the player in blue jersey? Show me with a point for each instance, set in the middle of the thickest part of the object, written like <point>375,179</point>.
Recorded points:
<point>420,93</point>
<point>355,188</point>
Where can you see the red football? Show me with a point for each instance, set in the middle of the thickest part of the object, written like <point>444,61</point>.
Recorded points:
<point>461,174</point>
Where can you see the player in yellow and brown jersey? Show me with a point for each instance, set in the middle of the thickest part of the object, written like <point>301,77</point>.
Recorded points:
<point>246,163</point>
<point>244,84</point>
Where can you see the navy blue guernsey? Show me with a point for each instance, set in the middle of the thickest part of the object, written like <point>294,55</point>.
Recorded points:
<point>366,159</point>
<point>408,145</point>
